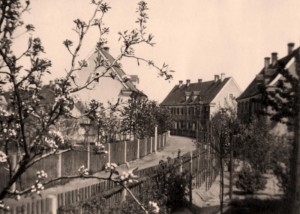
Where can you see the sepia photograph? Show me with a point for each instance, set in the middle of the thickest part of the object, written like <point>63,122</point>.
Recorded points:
<point>147,106</point>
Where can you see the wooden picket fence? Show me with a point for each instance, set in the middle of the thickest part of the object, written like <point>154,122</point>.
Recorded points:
<point>202,167</point>
<point>67,163</point>
<point>200,164</point>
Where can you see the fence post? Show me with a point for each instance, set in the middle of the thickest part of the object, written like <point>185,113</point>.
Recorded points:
<point>52,204</point>
<point>180,166</point>
<point>125,151</point>
<point>123,195</point>
<point>13,159</point>
<point>108,153</point>
<point>88,155</point>
<point>191,178</point>
<point>138,149</point>
<point>58,165</point>
<point>155,139</point>
<point>191,161</point>
<point>151,145</point>
<point>146,145</point>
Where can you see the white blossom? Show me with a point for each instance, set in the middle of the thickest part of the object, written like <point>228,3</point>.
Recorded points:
<point>3,157</point>
<point>83,171</point>
<point>154,207</point>
<point>110,167</point>
<point>41,174</point>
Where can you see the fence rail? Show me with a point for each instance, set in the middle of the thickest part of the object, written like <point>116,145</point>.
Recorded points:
<point>196,163</point>
<point>199,163</point>
<point>67,163</point>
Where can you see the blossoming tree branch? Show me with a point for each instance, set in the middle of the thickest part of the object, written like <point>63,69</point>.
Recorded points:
<point>27,125</point>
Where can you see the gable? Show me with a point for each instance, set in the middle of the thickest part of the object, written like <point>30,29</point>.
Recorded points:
<point>283,63</point>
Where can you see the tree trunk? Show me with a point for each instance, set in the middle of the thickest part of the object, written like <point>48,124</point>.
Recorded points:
<point>221,184</point>
<point>295,161</point>
<point>221,174</point>
<point>231,167</point>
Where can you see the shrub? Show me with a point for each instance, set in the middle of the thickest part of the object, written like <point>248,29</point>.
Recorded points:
<point>250,181</point>
<point>172,184</point>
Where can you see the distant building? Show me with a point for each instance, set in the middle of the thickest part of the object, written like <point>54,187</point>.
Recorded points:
<point>249,102</point>
<point>193,104</point>
<point>107,89</point>
<point>115,85</point>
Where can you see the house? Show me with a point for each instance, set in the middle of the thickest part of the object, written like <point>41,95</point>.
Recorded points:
<point>249,102</point>
<point>193,104</point>
<point>116,84</point>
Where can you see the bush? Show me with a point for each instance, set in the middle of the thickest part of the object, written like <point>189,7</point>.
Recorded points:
<point>250,181</point>
<point>172,184</point>
<point>258,206</point>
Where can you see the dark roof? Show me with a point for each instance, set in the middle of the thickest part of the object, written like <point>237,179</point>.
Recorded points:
<point>121,73</point>
<point>253,90</point>
<point>203,92</point>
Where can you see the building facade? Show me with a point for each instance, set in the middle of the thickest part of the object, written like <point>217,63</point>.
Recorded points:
<point>193,104</point>
<point>250,103</point>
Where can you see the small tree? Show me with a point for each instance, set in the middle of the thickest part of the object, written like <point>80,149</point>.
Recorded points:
<point>283,99</point>
<point>26,125</point>
<point>140,117</point>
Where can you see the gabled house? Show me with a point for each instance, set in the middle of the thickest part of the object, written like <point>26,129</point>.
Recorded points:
<point>193,104</point>
<point>249,102</point>
<point>116,84</point>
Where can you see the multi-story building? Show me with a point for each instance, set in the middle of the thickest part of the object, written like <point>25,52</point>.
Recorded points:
<point>193,104</point>
<point>249,102</point>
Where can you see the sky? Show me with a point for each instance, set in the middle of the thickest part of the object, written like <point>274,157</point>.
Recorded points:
<point>196,38</point>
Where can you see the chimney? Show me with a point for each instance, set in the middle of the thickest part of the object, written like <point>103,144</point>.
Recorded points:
<point>50,82</point>
<point>180,83</point>
<point>222,76</point>
<point>188,82</point>
<point>274,58</point>
<point>290,48</point>
<point>217,78</point>
<point>267,62</point>
<point>199,80</point>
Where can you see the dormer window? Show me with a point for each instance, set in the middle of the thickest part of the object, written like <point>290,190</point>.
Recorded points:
<point>187,95</point>
<point>195,94</point>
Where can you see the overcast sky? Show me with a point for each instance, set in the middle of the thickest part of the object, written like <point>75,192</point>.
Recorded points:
<point>197,38</point>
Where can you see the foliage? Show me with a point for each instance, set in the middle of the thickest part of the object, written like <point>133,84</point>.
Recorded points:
<point>281,97</point>
<point>98,204</point>
<point>171,183</point>
<point>104,121</point>
<point>258,206</point>
<point>250,180</point>
<point>140,116</point>
<point>256,145</point>
<point>34,110</point>
<point>281,155</point>
<point>225,125</point>
<point>162,193</point>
